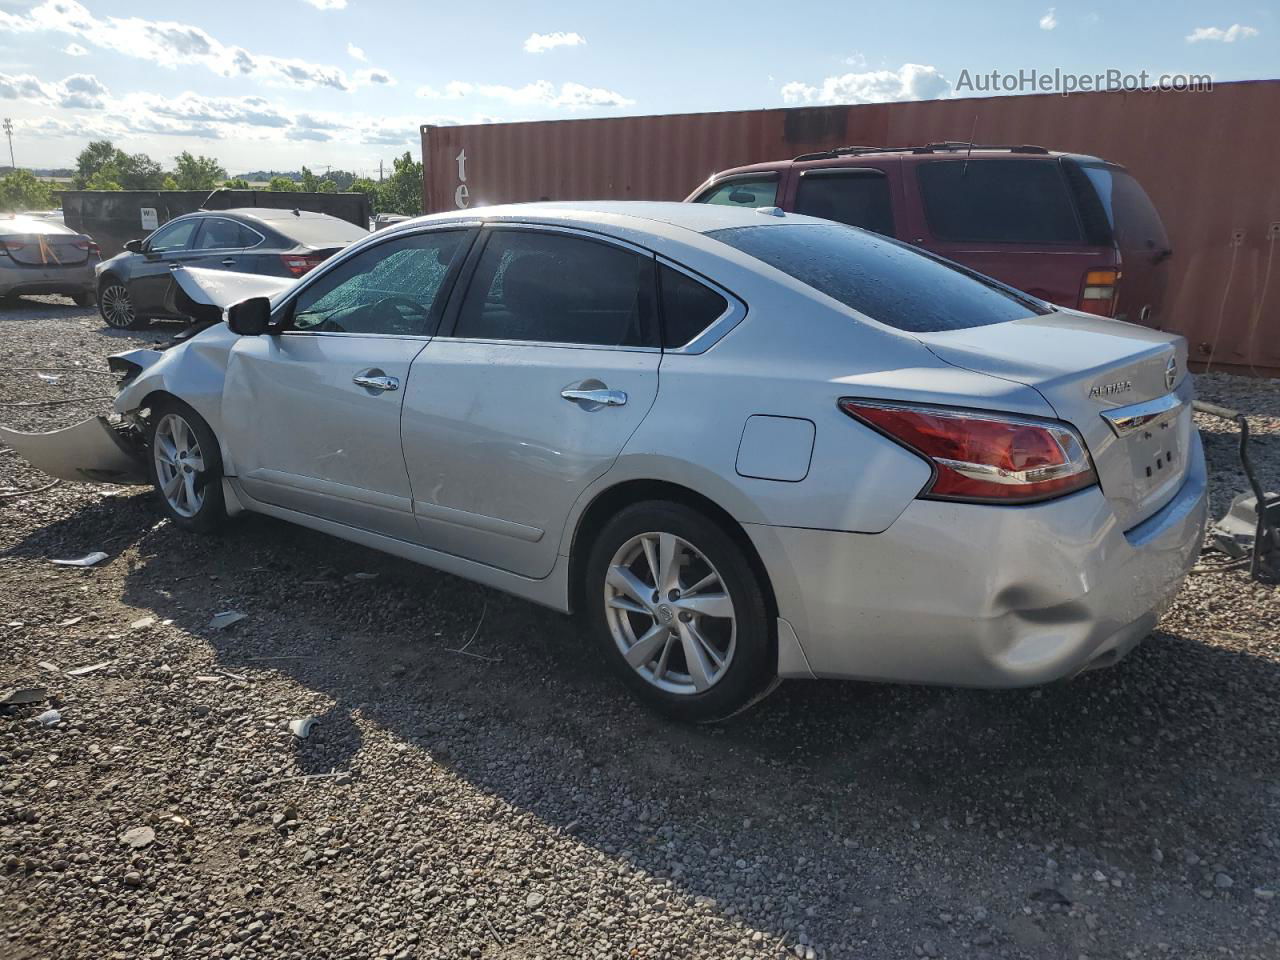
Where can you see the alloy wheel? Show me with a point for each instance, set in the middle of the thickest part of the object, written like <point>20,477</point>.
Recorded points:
<point>179,465</point>
<point>670,613</point>
<point>117,308</point>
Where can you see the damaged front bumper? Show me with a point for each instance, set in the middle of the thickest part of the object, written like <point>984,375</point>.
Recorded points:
<point>93,450</point>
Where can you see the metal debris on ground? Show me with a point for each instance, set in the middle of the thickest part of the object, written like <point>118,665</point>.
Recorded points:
<point>22,696</point>
<point>220,621</point>
<point>88,560</point>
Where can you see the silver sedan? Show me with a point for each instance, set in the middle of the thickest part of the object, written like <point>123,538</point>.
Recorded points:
<point>743,445</point>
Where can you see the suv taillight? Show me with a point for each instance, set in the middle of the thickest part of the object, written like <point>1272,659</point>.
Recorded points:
<point>298,264</point>
<point>1099,292</point>
<point>983,457</point>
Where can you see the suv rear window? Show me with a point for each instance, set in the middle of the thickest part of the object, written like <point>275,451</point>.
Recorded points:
<point>748,192</point>
<point>998,200</point>
<point>859,198</point>
<point>884,279</point>
<point>1132,215</point>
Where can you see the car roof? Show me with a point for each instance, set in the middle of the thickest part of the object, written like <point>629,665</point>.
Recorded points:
<point>647,216</point>
<point>853,156</point>
<point>269,214</point>
<point>10,225</point>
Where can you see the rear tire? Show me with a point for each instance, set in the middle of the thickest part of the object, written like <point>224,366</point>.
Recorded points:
<point>116,306</point>
<point>85,299</point>
<point>185,466</point>
<point>679,612</point>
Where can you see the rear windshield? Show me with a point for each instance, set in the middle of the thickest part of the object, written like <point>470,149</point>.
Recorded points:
<point>329,232</point>
<point>999,200</point>
<point>881,278</point>
<point>1132,214</point>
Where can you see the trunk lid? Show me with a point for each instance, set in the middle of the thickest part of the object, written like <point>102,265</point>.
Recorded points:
<point>1122,386</point>
<point>45,249</point>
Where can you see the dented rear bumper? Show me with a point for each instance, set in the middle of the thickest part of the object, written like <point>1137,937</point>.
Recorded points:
<point>92,450</point>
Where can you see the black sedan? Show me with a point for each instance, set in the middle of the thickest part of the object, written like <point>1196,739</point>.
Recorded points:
<point>136,286</point>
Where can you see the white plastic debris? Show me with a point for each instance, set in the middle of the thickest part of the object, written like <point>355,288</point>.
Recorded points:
<point>49,377</point>
<point>50,718</point>
<point>138,837</point>
<point>88,560</point>
<point>142,623</point>
<point>221,621</point>
<point>302,728</point>
<point>91,668</point>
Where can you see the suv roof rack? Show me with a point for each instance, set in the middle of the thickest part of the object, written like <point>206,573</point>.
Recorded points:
<point>944,146</point>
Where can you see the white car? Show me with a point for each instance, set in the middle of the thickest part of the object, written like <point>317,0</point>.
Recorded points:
<point>745,445</point>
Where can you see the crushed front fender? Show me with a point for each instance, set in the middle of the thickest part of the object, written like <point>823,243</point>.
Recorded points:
<point>93,450</point>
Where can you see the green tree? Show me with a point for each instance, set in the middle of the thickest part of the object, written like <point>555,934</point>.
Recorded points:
<point>21,191</point>
<point>169,184</point>
<point>402,191</point>
<point>237,183</point>
<point>283,184</point>
<point>326,186</point>
<point>103,179</point>
<point>369,188</point>
<point>93,158</point>
<point>139,172</point>
<point>310,183</point>
<point>197,173</point>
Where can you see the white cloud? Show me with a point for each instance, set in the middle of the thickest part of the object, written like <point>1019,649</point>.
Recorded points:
<point>911,81</point>
<point>80,91</point>
<point>75,50</point>
<point>328,4</point>
<point>381,77</point>
<point>1049,20</point>
<point>541,93</point>
<point>1230,35</point>
<point>168,43</point>
<point>356,53</point>
<point>542,42</point>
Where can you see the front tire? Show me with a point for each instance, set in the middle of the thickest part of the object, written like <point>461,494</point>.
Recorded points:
<point>116,306</point>
<point>679,611</point>
<point>186,467</point>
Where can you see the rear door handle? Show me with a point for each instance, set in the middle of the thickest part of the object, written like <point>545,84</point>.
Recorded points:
<point>602,398</point>
<point>379,383</point>
<point>228,261</point>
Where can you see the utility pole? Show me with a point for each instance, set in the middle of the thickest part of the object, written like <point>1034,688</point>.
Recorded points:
<point>379,169</point>
<point>8,130</point>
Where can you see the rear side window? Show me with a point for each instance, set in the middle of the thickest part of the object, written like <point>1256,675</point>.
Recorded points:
<point>997,200</point>
<point>884,279</point>
<point>758,192</point>
<point>556,288</point>
<point>858,198</point>
<point>219,233</point>
<point>688,307</point>
<point>1133,216</point>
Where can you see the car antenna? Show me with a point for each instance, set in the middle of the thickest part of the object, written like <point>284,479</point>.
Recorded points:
<point>973,135</point>
<point>297,212</point>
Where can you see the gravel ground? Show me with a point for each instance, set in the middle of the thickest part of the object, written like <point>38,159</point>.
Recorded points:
<point>511,802</point>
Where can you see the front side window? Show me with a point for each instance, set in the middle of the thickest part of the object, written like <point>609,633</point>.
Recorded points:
<point>883,279</point>
<point>999,200</point>
<point>557,288</point>
<point>392,288</point>
<point>173,236</point>
<point>755,192</point>
<point>858,198</point>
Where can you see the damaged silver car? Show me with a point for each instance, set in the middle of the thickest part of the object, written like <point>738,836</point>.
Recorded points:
<point>746,445</point>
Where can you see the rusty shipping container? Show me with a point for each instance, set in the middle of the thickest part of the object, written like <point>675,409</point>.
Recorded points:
<point>1208,159</point>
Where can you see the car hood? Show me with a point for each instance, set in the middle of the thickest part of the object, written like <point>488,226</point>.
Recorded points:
<point>223,289</point>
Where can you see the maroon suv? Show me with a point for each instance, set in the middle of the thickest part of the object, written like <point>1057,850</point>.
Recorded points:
<point>1070,229</point>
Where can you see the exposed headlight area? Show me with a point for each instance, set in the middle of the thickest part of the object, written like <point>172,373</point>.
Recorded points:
<point>980,457</point>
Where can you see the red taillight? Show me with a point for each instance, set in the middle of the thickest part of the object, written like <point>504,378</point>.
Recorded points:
<point>85,243</point>
<point>298,264</point>
<point>981,457</point>
<point>1098,294</point>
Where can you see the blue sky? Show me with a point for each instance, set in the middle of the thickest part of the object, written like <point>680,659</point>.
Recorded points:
<point>347,82</point>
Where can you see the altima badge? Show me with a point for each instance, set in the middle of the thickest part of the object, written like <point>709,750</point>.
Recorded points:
<point>1111,389</point>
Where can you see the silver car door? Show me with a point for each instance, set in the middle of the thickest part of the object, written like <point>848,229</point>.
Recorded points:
<point>549,366</point>
<point>312,411</point>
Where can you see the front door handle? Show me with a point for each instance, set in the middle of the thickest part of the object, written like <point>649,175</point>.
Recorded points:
<point>174,266</point>
<point>589,398</point>
<point>379,383</point>
<point>228,261</point>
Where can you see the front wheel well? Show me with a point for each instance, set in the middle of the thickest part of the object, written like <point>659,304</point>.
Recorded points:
<point>609,502</point>
<point>108,277</point>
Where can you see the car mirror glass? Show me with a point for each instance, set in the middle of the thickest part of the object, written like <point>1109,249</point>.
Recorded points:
<point>134,246</point>
<point>250,318</point>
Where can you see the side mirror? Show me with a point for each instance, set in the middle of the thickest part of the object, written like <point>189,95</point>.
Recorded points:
<point>134,246</point>
<point>250,318</point>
